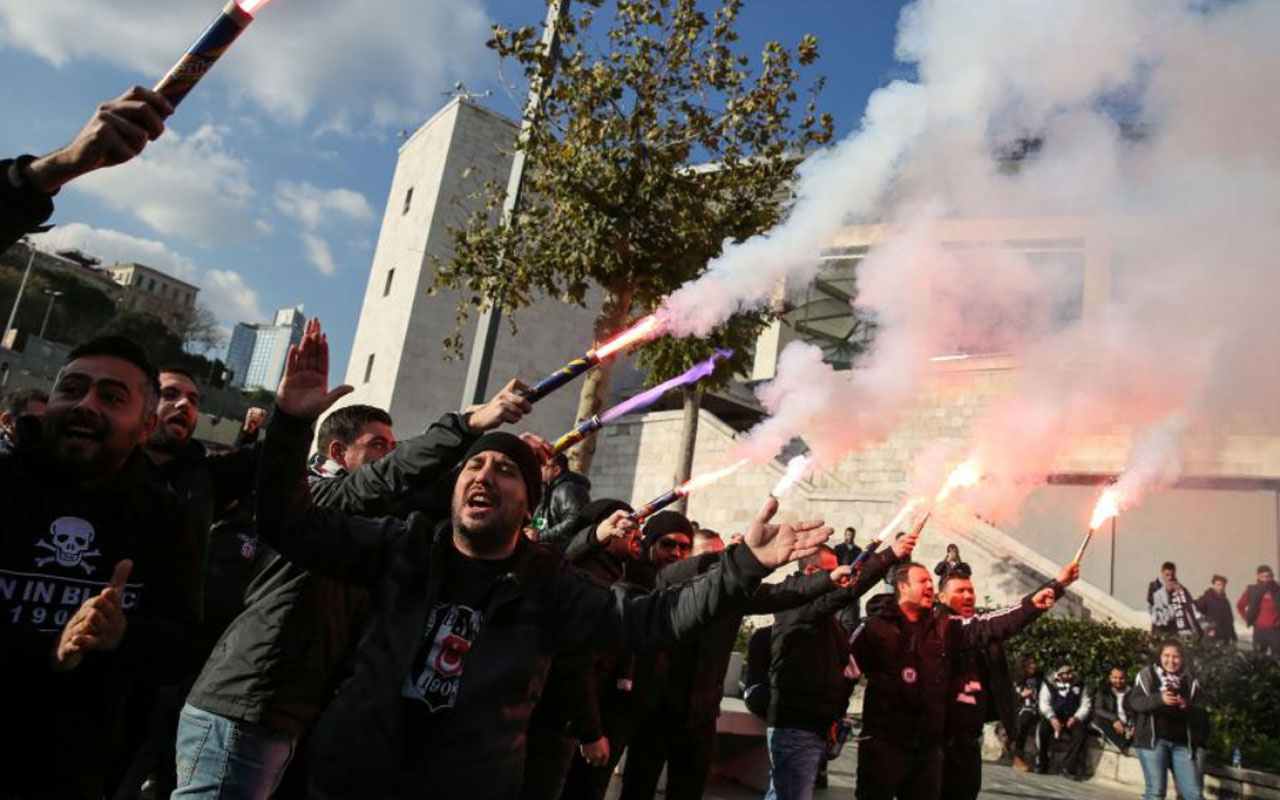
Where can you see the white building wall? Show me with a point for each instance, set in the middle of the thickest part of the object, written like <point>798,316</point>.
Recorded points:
<point>447,161</point>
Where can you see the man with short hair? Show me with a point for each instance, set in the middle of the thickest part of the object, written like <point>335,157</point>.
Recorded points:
<point>209,487</point>
<point>468,612</point>
<point>981,691</point>
<point>847,552</point>
<point>564,493</point>
<point>706,540</point>
<point>1110,717</point>
<point>1156,599</point>
<point>1172,609</point>
<point>273,670</point>
<point>14,406</point>
<point>100,571</point>
<point>908,654</point>
<point>1259,604</point>
<point>1065,708</point>
<point>808,687</point>
<point>1216,608</point>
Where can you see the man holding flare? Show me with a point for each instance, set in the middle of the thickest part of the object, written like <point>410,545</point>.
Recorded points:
<point>467,612</point>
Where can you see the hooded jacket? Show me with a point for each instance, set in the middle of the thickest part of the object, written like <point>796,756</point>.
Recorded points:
<point>810,648</point>
<point>274,664</point>
<point>1146,706</point>
<point>565,496</point>
<point>908,665</point>
<point>61,543</point>
<point>442,691</point>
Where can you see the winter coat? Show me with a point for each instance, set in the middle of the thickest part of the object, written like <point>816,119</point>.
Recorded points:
<point>442,691</point>
<point>943,567</point>
<point>1146,706</point>
<point>981,689</point>
<point>275,663</point>
<point>810,648</point>
<point>1216,608</point>
<point>696,671</point>
<point>1107,707</point>
<point>565,495</point>
<point>23,209</point>
<point>909,672</point>
<point>1250,602</point>
<point>60,546</point>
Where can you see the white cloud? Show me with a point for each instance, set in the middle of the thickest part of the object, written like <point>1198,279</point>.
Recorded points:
<point>335,57</point>
<point>316,209</point>
<point>309,204</point>
<point>185,186</point>
<point>319,254</point>
<point>223,292</point>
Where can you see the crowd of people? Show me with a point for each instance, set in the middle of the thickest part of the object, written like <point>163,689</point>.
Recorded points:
<point>1209,616</point>
<point>452,615</point>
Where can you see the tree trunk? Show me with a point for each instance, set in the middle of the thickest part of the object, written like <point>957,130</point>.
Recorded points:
<point>613,315</point>
<point>688,440</point>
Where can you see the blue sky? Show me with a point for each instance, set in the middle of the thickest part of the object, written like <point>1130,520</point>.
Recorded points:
<point>268,188</point>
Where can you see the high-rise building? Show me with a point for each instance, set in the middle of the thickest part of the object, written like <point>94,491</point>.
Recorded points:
<point>256,355</point>
<point>398,359</point>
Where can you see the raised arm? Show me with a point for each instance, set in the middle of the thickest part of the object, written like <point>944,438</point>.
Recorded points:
<point>325,540</point>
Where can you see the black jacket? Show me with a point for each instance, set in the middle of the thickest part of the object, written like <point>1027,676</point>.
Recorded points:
<point>442,692</point>
<point>59,547</point>
<point>846,553</point>
<point>908,666</point>
<point>1146,707</point>
<point>1216,608</point>
<point>981,688</point>
<point>810,649</point>
<point>23,209</point>
<point>567,493</point>
<point>1106,706</point>
<point>696,671</point>
<point>943,567</point>
<point>274,665</point>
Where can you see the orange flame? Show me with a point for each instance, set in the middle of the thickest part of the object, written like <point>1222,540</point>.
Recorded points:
<point>708,478</point>
<point>251,6</point>
<point>643,330</point>
<point>965,475</point>
<point>1108,506</point>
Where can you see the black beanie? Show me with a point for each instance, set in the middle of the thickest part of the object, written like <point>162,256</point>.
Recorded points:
<point>665,522</point>
<point>514,448</point>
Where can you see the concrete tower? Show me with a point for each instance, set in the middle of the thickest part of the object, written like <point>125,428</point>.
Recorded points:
<point>398,361</point>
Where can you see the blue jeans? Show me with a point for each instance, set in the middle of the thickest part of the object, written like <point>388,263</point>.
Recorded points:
<point>224,759</point>
<point>1164,756</point>
<point>794,756</point>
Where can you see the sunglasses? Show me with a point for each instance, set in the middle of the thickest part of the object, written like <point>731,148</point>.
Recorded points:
<point>675,544</point>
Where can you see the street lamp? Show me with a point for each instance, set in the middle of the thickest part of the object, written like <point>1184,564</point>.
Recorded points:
<point>53,295</point>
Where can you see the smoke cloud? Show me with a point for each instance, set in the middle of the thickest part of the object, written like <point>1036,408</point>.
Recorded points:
<point>1151,127</point>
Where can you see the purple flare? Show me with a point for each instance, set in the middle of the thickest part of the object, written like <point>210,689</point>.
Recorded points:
<point>646,399</point>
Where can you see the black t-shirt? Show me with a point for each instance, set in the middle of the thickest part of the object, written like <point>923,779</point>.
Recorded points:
<point>453,625</point>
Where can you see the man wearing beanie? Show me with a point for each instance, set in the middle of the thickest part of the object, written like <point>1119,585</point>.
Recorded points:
<point>467,613</point>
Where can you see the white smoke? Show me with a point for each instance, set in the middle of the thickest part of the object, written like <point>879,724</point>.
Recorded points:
<point>1150,124</point>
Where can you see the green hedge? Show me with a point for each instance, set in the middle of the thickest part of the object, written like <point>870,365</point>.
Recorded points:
<point>1243,689</point>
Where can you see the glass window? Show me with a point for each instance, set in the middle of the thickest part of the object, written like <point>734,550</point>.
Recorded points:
<point>408,200</point>
<point>386,290</point>
<point>368,368</point>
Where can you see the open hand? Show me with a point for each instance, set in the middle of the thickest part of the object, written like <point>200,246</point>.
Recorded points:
<point>304,390</point>
<point>99,623</point>
<point>507,406</point>
<point>118,131</point>
<point>775,545</point>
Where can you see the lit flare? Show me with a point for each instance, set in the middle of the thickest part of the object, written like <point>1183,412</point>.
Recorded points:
<point>1108,506</point>
<point>796,468</point>
<point>642,331</point>
<point>966,475</point>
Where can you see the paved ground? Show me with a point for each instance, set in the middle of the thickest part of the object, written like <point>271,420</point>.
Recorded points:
<point>999,783</point>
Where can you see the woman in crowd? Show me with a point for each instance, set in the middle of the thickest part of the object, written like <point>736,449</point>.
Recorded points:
<point>1171,725</point>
